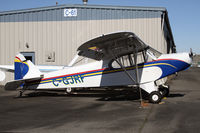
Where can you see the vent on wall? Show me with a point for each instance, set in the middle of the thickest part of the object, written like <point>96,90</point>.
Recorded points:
<point>50,56</point>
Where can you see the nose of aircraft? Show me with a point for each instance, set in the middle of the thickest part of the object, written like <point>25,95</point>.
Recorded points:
<point>185,60</point>
<point>188,58</point>
<point>183,57</point>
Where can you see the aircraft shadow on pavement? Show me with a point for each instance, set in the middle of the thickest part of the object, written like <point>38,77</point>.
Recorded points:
<point>101,95</point>
<point>173,95</point>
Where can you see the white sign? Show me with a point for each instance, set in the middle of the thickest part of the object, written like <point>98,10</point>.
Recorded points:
<point>70,12</point>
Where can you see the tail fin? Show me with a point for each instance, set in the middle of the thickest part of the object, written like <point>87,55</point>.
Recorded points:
<point>25,69</point>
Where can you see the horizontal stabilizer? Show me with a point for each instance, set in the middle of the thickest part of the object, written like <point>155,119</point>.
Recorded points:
<point>13,85</point>
<point>7,68</point>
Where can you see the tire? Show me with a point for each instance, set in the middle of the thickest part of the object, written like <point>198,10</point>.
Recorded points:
<point>155,97</point>
<point>164,91</point>
<point>68,90</point>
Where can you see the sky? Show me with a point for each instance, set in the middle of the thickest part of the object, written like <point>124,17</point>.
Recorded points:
<point>184,15</point>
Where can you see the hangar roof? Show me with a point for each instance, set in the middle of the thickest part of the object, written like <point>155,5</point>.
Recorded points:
<point>86,6</point>
<point>158,10</point>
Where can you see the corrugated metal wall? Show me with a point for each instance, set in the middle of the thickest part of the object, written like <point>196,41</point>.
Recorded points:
<point>46,30</point>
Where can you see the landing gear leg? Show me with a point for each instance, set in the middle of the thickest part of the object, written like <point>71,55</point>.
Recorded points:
<point>164,90</point>
<point>154,94</point>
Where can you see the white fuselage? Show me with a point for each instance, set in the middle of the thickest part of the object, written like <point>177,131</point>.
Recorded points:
<point>99,74</point>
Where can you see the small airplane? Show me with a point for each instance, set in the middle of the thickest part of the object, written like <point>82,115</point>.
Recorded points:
<point>121,59</point>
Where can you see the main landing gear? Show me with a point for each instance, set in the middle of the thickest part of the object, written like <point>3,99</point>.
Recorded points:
<point>155,97</point>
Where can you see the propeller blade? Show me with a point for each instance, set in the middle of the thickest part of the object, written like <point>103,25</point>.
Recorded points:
<point>191,53</point>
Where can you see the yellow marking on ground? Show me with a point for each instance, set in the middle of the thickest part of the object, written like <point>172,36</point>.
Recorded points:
<point>162,103</point>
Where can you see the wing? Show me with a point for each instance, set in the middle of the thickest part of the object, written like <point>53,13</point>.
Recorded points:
<point>105,46</point>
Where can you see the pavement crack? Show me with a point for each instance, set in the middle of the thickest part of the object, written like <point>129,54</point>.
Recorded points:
<point>145,120</point>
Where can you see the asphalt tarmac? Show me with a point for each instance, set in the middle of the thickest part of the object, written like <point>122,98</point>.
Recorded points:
<point>104,111</point>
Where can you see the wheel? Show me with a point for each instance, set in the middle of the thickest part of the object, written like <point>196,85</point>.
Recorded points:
<point>155,97</point>
<point>68,90</point>
<point>164,91</point>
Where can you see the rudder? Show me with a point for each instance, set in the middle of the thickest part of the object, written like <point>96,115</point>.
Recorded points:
<point>25,69</point>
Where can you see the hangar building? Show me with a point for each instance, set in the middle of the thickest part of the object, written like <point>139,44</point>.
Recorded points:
<point>51,35</point>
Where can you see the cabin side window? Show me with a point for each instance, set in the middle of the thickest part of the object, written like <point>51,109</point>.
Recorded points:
<point>127,60</point>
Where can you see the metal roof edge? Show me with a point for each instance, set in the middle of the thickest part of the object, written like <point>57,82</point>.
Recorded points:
<point>163,9</point>
<point>170,30</point>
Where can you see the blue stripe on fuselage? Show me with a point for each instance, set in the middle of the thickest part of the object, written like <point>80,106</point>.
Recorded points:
<point>167,69</point>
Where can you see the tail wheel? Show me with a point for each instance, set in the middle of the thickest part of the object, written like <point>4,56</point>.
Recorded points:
<point>68,90</point>
<point>155,97</point>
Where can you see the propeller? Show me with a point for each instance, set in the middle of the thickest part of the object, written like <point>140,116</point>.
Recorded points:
<point>191,53</point>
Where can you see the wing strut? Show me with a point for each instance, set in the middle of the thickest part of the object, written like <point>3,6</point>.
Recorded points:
<point>128,74</point>
<point>137,76</point>
<point>118,62</point>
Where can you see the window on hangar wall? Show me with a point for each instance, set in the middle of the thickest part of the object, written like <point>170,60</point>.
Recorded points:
<point>29,56</point>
